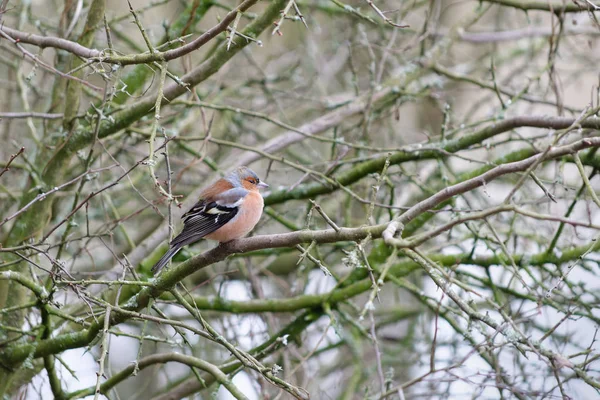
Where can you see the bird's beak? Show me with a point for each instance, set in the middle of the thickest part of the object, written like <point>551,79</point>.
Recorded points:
<point>262,185</point>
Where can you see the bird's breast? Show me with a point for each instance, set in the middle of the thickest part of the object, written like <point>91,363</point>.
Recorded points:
<point>245,220</point>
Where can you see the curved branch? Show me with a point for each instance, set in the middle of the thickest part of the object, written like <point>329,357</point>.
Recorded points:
<point>285,304</point>
<point>492,174</point>
<point>38,290</point>
<point>145,58</point>
<point>50,41</point>
<point>558,7</point>
<point>163,358</point>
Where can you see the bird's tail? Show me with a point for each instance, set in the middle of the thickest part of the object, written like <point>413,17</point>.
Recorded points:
<point>165,259</point>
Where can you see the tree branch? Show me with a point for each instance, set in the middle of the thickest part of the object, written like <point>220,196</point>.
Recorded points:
<point>556,7</point>
<point>145,58</point>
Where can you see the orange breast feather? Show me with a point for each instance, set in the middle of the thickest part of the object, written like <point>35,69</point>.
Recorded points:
<point>244,221</point>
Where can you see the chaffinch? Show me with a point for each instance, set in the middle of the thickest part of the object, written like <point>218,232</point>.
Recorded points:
<point>227,210</point>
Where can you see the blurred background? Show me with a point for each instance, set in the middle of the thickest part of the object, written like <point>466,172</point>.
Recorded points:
<point>353,111</point>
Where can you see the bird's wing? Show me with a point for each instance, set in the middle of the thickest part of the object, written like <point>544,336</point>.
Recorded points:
<point>231,198</point>
<point>206,216</point>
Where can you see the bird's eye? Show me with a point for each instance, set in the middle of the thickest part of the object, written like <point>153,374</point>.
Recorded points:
<point>252,181</point>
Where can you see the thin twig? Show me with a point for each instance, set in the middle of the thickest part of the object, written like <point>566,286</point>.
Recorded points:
<point>383,16</point>
<point>10,160</point>
<point>104,351</point>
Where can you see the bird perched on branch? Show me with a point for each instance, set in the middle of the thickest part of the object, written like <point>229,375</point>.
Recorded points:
<point>227,210</point>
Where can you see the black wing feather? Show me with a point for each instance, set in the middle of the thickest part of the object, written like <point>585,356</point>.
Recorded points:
<point>202,219</point>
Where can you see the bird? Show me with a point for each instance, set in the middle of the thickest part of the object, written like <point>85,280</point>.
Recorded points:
<point>227,210</point>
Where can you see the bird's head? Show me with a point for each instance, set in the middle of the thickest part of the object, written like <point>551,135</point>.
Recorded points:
<point>246,178</point>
